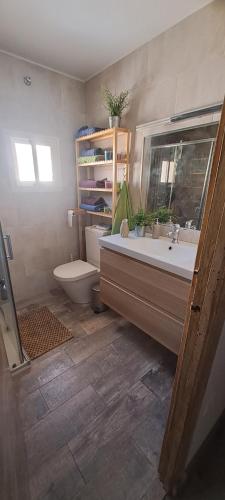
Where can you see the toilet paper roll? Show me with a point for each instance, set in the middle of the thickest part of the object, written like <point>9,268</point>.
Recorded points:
<point>70,215</point>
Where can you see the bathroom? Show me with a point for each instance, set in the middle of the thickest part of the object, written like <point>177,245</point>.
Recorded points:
<point>45,103</point>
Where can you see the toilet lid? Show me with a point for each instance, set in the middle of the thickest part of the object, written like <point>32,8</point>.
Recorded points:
<point>75,270</point>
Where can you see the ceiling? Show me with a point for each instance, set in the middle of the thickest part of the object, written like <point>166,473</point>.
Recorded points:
<point>82,37</point>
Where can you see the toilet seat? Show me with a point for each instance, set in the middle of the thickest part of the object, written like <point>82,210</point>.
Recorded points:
<point>73,271</point>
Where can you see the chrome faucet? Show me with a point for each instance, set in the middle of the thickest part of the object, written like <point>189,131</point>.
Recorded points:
<point>189,225</point>
<point>175,231</point>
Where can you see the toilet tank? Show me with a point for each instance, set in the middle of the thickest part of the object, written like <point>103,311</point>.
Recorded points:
<point>92,233</point>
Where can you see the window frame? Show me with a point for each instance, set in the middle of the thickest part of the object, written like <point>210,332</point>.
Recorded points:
<point>36,140</point>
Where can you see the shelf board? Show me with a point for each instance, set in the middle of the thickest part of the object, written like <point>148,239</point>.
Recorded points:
<point>102,163</point>
<point>103,190</point>
<point>99,214</point>
<point>103,134</point>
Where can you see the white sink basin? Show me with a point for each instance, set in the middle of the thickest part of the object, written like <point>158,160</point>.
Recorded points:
<point>177,258</point>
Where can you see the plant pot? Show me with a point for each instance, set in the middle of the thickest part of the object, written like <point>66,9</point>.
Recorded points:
<point>114,121</point>
<point>139,231</point>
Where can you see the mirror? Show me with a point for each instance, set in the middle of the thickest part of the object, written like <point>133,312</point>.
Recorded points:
<point>179,165</point>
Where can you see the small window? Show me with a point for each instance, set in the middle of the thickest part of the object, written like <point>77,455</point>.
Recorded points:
<point>25,162</point>
<point>34,162</point>
<point>44,161</point>
<point>167,172</point>
<point>164,171</point>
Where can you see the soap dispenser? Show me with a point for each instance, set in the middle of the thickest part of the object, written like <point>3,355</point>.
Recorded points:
<point>124,229</point>
<point>156,230</point>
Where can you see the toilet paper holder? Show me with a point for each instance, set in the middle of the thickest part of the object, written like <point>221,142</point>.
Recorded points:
<point>70,215</point>
<point>72,212</point>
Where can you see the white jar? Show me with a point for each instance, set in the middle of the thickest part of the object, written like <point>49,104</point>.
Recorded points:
<point>124,228</point>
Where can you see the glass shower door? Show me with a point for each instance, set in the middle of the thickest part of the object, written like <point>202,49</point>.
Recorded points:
<point>179,175</point>
<point>8,318</point>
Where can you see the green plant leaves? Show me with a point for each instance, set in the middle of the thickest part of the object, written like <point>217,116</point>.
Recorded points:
<point>142,218</point>
<point>115,104</point>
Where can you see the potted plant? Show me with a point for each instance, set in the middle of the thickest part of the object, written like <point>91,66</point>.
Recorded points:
<point>140,220</point>
<point>115,104</point>
<point>163,214</point>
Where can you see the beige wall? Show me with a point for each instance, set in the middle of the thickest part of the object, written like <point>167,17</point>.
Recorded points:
<point>181,69</point>
<point>54,106</point>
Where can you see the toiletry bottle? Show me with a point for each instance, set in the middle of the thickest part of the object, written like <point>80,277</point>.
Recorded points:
<point>170,226</point>
<point>156,230</point>
<point>124,228</point>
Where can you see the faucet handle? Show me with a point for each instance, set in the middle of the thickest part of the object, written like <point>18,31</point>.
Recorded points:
<point>188,224</point>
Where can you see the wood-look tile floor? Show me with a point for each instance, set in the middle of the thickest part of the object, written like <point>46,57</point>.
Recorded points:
<point>94,409</point>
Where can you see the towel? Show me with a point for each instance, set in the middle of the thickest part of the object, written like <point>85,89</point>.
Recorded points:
<point>91,183</point>
<point>101,183</point>
<point>90,159</point>
<point>87,183</point>
<point>92,152</point>
<point>92,208</point>
<point>94,201</point>
<point>123,209</point>
<point>93,204</point>
<point>85,130</point>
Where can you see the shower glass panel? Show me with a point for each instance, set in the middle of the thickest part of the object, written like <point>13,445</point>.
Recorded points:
<point>8,319</point>
<point>179,175</point>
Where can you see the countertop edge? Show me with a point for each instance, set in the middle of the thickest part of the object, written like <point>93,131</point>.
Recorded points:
<point>165,266</point>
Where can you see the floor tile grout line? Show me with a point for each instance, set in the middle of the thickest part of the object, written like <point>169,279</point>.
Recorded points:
<point>74,364</point>
<point>138,448</point>
<point>46,460</point>
<point>66,400</point>
<point>51,412</point>
<point>69,367</point>
<point>106,404</point>
<point>151,390</point>
<point>78,467</point>
<point>101,398</point>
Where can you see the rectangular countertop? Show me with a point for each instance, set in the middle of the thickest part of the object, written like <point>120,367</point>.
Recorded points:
<point>176,258</point>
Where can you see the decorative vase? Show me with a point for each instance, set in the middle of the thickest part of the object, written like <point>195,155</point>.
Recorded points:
<point>114,121</point>
<point>139,231</point>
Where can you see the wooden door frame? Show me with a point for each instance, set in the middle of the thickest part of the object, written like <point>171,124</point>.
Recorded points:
<point>203,325</point>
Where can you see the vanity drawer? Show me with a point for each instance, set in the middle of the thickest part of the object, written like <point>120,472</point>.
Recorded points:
<point>161,326</point>
<point>158,287</point>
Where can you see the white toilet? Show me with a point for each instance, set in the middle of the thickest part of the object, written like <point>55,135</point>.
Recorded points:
<point>78,277</point>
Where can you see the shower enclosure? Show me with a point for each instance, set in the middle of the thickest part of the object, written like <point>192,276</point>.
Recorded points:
<point>179,172</point>
<point>8,318</point>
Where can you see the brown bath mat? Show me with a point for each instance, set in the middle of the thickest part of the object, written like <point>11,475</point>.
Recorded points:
<point>41,331</point>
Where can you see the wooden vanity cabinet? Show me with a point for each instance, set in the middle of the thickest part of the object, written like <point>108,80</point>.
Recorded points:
<point>152,299</point>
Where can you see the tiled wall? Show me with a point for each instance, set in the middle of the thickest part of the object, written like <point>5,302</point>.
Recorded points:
<point>53,106</point>
<point>180,69</point>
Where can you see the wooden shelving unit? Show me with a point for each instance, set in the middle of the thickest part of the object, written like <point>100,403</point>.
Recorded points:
<point>118,140</point>
<point>100,214</point>
<point>102,190</point>
<point>103,134</point>
<point>119,163</point>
